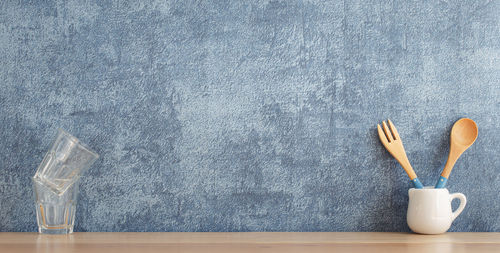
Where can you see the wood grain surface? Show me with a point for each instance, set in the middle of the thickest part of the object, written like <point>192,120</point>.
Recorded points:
<point>250,242</point>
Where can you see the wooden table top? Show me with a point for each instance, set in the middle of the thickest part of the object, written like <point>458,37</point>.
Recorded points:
<point>366,242</point>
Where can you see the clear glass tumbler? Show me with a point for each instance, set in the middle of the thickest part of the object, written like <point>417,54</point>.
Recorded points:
<point>64,163</point>
<point>55,213</point>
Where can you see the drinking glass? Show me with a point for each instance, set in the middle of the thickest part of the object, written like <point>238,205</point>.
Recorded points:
<point>64,163</point>
<point>55,213</point>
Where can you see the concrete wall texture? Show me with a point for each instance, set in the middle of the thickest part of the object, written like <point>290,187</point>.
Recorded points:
<point>249,115</point>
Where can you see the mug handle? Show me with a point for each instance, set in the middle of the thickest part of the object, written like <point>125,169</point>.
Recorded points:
<point>460,208</point>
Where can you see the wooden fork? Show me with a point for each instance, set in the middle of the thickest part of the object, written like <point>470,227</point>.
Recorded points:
<point>392,142</point>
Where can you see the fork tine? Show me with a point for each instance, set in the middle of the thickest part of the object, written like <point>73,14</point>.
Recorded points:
<point>387,132</point>
<point>381,135</point>
<point>393,130</point>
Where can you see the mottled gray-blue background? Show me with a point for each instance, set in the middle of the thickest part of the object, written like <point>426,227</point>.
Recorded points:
<point>249,115</point>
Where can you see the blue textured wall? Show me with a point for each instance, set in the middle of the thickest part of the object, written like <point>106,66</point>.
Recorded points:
<point>249,115</point>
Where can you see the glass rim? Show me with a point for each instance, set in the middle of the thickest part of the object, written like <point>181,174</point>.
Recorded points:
<point>77,142</point>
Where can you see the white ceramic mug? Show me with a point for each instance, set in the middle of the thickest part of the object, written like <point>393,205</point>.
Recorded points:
<point>429,210</point>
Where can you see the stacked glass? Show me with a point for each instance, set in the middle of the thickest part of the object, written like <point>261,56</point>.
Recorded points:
<point>55,183</point>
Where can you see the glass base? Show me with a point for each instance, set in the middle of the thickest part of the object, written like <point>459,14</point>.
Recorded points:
<point>55,231</point>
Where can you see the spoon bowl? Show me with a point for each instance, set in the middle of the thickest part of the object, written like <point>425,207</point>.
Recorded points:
<point>463,135</point>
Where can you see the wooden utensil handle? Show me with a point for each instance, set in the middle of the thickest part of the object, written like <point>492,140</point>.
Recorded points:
<point>411,173</point>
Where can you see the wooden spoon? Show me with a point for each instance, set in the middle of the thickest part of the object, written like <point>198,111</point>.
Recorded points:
<point>463,134</point>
